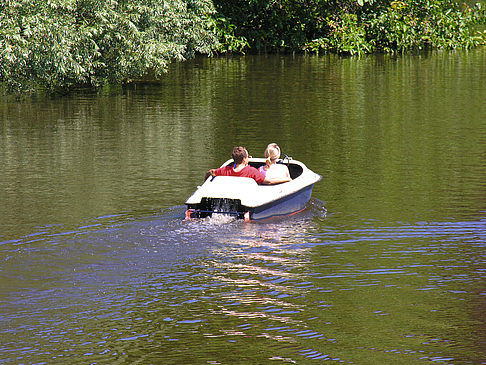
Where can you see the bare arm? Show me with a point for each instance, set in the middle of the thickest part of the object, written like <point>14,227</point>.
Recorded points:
<point>276,180</point>
<point>208,174</point>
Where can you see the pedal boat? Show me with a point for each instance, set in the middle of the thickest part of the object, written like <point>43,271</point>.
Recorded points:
<point>245,199</point>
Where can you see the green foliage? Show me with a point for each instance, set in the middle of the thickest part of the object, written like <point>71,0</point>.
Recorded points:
<point>61,44</point>
<point>228,41</point>
<point>57,44</point>
<point>274,24</point>
<point>353,27</point>
<point>346,36</point>
<point>417,25</point>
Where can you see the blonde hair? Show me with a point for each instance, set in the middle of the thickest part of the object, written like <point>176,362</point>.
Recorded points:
<point>272,153</point>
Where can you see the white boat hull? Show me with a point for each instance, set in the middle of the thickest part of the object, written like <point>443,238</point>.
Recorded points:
<point>246,199</point>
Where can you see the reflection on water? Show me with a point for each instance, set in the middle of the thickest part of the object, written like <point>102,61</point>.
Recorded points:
<point>385,266</point>
<point>161,288</point>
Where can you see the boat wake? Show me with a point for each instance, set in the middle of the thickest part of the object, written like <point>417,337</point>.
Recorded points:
<point>219,218</point>
<point>315,209</point>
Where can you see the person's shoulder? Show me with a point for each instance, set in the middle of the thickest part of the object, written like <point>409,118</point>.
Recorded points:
<point>278,167</point>
<point>253,172</point>
<point>249,168</point>
<point>223,170</point>
<point>278,170</point>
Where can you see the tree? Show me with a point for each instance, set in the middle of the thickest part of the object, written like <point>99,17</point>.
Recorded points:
<point>60,44</point>
<point>354,27</point>
<point>57,44</point>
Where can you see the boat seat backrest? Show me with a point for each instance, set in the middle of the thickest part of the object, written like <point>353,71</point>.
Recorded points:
<point>295,170</point>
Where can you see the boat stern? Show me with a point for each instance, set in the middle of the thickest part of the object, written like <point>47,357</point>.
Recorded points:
<point>221,194</point>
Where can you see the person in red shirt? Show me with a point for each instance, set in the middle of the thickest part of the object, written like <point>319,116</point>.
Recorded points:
<point>242,169</point>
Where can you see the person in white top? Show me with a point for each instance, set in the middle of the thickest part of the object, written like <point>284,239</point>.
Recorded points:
<point>272,169</point>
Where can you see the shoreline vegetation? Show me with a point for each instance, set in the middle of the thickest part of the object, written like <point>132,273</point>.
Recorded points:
<point>56,46</point>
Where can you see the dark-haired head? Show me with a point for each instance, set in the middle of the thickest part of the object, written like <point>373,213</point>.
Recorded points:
<point>239,154</point>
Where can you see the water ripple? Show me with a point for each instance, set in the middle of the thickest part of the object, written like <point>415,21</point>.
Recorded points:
<point>299,287</point>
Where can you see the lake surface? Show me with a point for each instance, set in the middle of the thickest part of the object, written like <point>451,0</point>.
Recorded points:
<point>385,266</point>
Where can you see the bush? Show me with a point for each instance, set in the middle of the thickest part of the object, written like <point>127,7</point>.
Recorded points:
<point>353,27</point>
<point>60,44</point>
<point>57,44</point>
<point>417,25</point>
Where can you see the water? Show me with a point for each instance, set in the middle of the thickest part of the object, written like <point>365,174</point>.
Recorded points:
<point>385,266</point>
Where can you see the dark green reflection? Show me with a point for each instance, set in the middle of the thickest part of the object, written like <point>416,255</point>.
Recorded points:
<point>395,138</point>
